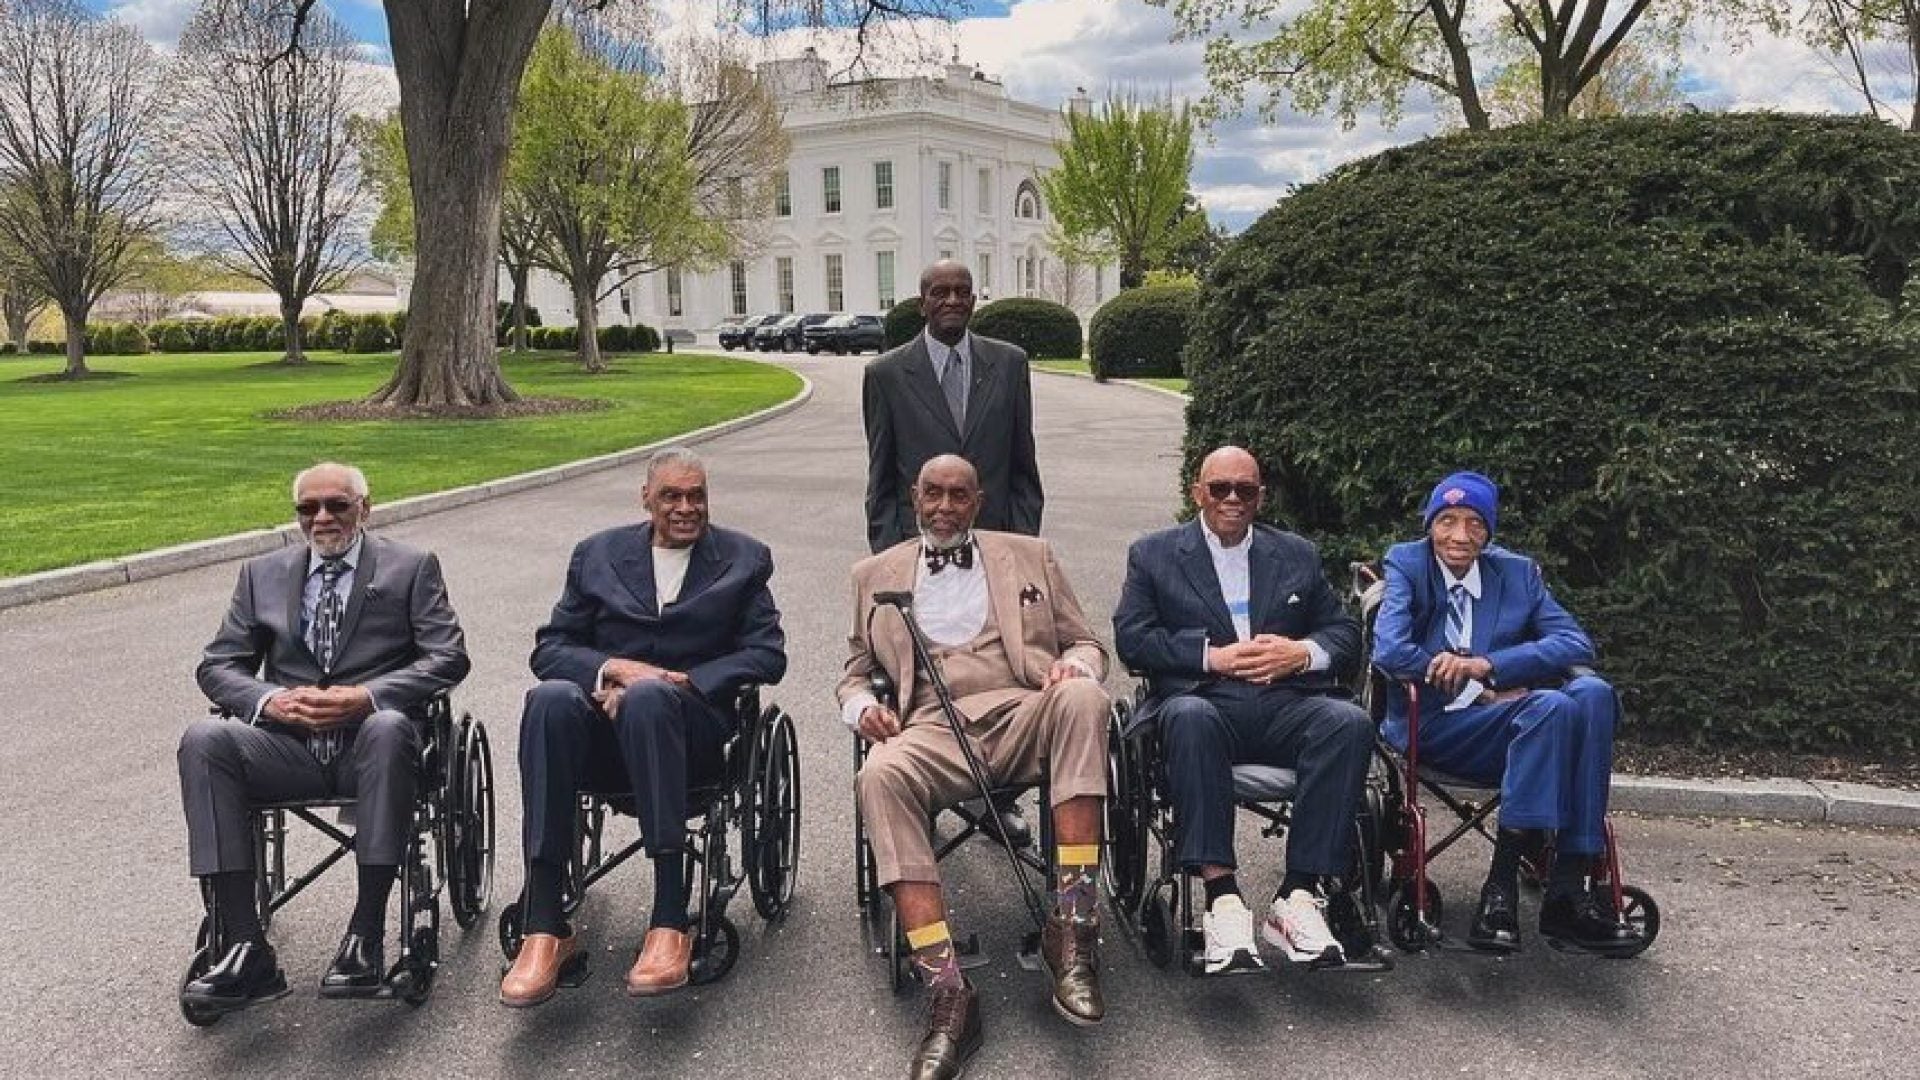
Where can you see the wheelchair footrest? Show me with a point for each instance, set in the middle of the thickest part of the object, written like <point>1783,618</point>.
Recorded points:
<point>575,971</point>
<point>1029,954</point>
<point>968,952</point>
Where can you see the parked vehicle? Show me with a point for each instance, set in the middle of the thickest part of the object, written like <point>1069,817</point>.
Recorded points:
<point>739,334</point>
<point>788,334</point>
<point>845,334</point>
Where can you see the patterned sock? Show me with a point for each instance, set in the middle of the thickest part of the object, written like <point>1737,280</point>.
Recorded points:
<point>933,954</point>
<point>1074,895</point>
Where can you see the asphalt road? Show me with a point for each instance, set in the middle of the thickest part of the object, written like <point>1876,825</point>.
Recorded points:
<point>1787,951</point>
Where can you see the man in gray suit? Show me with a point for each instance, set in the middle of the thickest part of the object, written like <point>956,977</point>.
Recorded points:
<point>327,653</point>
<point>949,391</point>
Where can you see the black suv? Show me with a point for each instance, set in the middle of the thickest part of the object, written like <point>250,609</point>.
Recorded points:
<point>845,334</point>
<point>788,334</point>
<point>739,334</point>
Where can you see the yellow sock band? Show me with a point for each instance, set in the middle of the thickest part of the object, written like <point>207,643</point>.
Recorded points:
<point>930,934</point>
<point>1077,855</point>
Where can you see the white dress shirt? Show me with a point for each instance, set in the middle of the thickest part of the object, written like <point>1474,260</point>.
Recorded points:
<point>951,607</point>
<point>1233,567</point>
<point>1472,691</point>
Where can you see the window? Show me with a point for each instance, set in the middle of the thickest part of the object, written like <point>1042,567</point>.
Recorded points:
<point>1030,268</point>
<point>883,273</point>
<point>676,303</point>
<point>883,185</point>
<point>1099,283</point>
<point>836,284</point>
<point>986,274</point>
<point>1026,203</point>
<point>946,253</point>
<point>626,302</point>
<point>946,185</point>
<point>783,282</point>
<point>783,194</point>
<point>739,270</point>
<point>986,191</point>
<point>830,184</point>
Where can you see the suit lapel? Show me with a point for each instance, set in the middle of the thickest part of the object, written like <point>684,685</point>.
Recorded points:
<point>634,565</point>
<point>357,599</point>
<point>704,567</point>
<point>1003,592</point>
<point>1197,563</point>
<point>1486,608</point>
<point>296,579</point>
<point>925,385</point>
<point>980,394</point>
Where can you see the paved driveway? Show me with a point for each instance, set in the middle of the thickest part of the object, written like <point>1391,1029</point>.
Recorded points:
<point>1786,950</point>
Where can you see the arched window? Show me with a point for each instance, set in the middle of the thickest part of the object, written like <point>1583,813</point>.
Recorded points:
<point>1026,201</point>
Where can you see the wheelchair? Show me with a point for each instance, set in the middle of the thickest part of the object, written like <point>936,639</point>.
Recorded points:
<point>756,793</point>
<point>451,850</point>
<point>1413,902</point>
<point>1159,904</point>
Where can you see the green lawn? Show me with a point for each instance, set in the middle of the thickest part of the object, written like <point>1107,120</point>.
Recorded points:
<point>1178,386</point>
<point>184,451</point>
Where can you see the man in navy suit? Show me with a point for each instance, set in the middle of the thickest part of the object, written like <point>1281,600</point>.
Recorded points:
<point>657,630</point>
<point>1501,702</point>
<point>1242,640</point>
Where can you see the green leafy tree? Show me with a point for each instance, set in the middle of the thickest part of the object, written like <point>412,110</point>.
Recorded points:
<point>1346,56</point>
<point>1122,183</point>
<point>1205,241</point>
<point>21,301</point>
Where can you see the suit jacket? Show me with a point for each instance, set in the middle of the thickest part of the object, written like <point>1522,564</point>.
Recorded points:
<point>1038,615</point>
<point>1517,624</point>
<point>398,636</point>
<point>723,631</point>
<point>1171,610</point>
<point>908,421</point>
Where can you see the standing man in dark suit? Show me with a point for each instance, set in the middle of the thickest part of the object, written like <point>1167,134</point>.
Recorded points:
<point>658,628</point>
<point>949,391</point>
<point>327,651</point>
<point>1242,639</point>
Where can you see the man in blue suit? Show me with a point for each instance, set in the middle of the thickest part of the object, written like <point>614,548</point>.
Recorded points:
<point>657,630</point>
<point>1242,640</point>
<point>1502,701</point>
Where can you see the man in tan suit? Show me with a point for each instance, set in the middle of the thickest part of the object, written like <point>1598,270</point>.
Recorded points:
<point>1024,671</point>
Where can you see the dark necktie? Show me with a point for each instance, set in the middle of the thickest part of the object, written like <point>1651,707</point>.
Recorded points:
<point>939,559</point>
<point>1457,616</point>
<point>325,745</point>
<point>953,383</point>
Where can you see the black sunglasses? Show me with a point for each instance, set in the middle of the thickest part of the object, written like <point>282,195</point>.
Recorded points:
<point>312,507</point>
<point>1220,489</point>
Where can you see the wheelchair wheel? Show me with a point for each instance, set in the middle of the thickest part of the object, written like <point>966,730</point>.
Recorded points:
<point>898,957</point>
<point>1371,842</point>
<point>1125,865</point>
<point>1410,929</point>
<point>1157,931</point>
<point>715,953</point>
<point>773,819</point>
<point>201,963</point>
<point>1638,910</point>
<point>469,825</point>
<point>512,931</point>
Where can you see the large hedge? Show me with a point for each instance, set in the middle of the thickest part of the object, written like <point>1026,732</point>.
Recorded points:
<point>1674,342</point>
<point>1140,333</point>
<point>1046,330</point>
<point>904,322</point>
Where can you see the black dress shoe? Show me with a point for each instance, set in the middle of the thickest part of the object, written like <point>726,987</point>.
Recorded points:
<point>997,818</point>
<point>247,975</point>
<point>357,971</point>
<point>1580,921</point>
<point>1496,925</point>
<point>953,1034</point>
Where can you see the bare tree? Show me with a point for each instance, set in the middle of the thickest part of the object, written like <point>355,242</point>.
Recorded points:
<point>735,138</point>
<point>1877,46</point>
<point>19,306</point>
<point>267,152</point>
<point>522,234</point>
<point>79,187</point>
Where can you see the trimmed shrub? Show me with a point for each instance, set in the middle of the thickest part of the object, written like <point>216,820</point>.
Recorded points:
<point>130,340</point>
<point>615,338</point>
<point>266,333</point>
<point>370,334</point>
<point>1671,342</point>
<point>1046,330</point>
<point>503,323</point>
<point>335,332</point>
<point>904,322</point>
<point>645,338</point>
<point>227,334</point>
<point>1141,332</point>
<point>557,338</point>
<point>173,337</point>
<point>397,326</point>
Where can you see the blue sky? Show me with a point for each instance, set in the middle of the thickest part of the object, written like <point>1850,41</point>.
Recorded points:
<point>1044,49</point>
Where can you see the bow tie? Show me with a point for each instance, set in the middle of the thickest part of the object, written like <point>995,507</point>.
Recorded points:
<point>939,559</point>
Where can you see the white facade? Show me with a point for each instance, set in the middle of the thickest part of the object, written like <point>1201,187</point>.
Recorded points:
<point>883,177</point>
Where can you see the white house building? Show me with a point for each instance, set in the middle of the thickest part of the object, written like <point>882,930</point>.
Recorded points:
<point>883,177</point>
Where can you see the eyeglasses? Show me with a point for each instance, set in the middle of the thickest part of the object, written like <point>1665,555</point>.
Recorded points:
<point>1219,490</point>
<point>307,508</point>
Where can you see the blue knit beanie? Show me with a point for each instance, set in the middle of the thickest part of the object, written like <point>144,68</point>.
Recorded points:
<point>1468,489</point>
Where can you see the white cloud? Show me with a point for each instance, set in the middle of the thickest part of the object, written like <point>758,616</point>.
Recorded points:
<point>159,21</point>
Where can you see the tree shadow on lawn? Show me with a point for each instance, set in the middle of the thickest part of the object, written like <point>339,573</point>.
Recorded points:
<point>91,375</point>
<point>351,411</point>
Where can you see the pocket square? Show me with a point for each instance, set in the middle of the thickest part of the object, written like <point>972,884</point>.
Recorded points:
<point>1031,595</point>
<point>1293,598</point>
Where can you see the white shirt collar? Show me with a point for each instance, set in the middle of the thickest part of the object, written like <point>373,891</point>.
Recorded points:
<point>1471,581</point>
<point>937,350</point>
<point>352,557</point>
<point>1219,547</point>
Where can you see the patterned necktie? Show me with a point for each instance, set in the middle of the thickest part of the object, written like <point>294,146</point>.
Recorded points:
<point>325,745</point>
<point>1457,616</point>
<point>953,383</point>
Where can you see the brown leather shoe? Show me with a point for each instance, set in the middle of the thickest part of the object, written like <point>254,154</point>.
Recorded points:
<point>664,960</point>
<point>535,974</point>
<point>1071,950</point>
<point>953,1034</point>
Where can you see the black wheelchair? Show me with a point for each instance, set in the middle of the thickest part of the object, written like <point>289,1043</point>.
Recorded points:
<point>451,850</point>
<point>1159,904</point>
<point>757,793</point>
<point>1413,902</point>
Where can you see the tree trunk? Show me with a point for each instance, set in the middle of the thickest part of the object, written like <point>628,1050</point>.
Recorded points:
<point>19,321</point>
<point>1133,269</point>
<point>290,318</point>
<point>586,317</point>
<point>76,346</point>
<point>519,275</point>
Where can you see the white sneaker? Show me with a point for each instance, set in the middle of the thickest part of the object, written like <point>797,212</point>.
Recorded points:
<point>1297,926</point>
<point>1228,927</point>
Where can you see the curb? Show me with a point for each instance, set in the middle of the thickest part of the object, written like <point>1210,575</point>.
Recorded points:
<point>108,573</point>
<point>1828,802</point>
<point>1137,385</point>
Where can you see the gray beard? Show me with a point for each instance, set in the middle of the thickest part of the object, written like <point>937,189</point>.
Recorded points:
<point>958,542</point>
<point>334,550</point>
